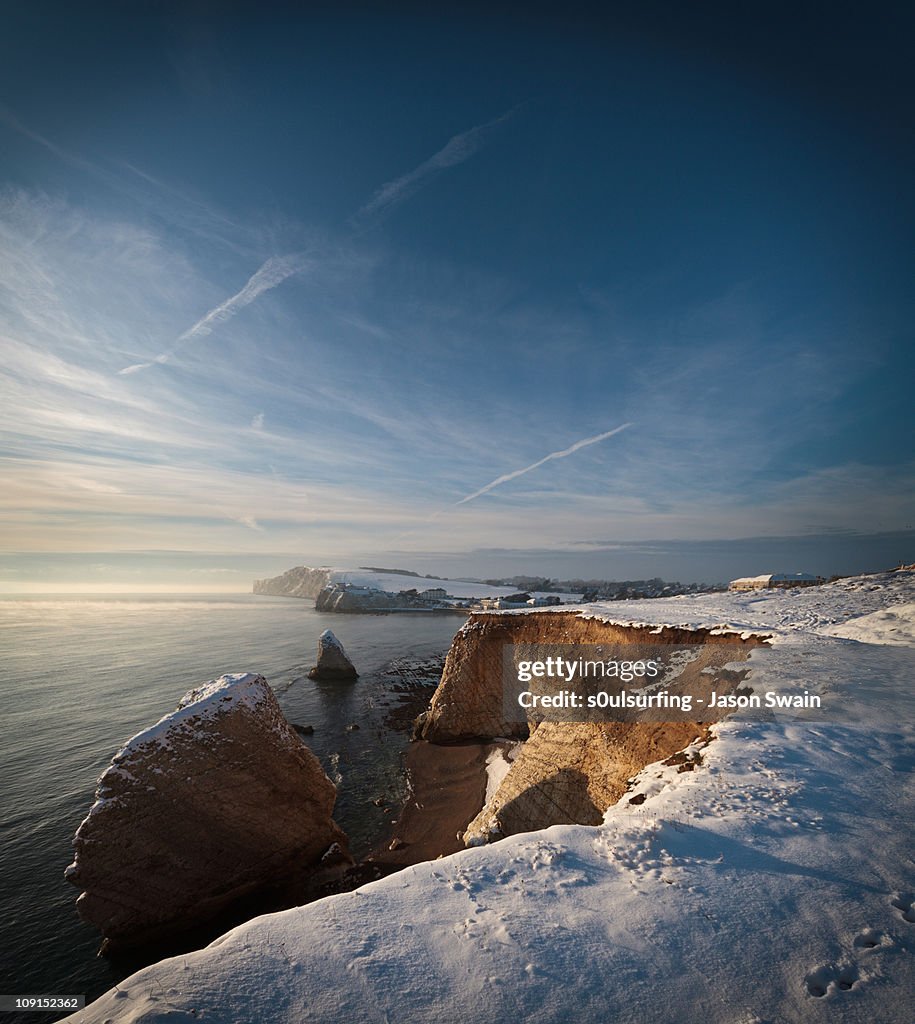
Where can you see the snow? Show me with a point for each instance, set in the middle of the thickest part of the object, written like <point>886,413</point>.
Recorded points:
<point>894,625</point>
<point>329,639</point>
<point>773,883</point>
<point>498,764</point>
<point>393,583</point>
<point>205,702</point>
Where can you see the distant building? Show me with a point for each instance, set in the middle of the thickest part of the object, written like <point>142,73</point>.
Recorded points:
<point>501,603</point>
<point>776,580</point>
<point>434,594</point>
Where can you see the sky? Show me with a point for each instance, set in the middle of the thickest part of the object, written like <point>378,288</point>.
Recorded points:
<point>584,292</point>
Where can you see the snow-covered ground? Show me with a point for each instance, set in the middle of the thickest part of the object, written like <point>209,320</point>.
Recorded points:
<point>395,582</point>
<point>773,884</point>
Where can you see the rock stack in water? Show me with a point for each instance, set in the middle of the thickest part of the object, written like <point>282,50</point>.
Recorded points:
<point>333,664</point>
<point>219,799</point>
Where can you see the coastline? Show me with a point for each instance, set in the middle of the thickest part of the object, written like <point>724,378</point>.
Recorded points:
<point>447,789</point>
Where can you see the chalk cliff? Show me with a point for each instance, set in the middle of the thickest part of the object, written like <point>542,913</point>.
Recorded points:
<point>301,581</point>
<point>217,800</point>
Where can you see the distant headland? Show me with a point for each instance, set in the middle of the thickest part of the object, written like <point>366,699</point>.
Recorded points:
<point>371,589</point>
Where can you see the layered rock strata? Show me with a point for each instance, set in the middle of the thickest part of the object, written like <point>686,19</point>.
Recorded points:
<point>570,771</point>
<point>219,799</point>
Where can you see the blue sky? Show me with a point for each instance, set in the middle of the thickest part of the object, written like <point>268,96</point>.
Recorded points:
<point>298,286</point>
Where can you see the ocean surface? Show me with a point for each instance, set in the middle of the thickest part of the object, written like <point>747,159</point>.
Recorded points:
<point>80,675</point>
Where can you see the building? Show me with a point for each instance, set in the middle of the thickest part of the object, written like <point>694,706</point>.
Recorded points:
<point>776,580</point>
<point>434,594</point>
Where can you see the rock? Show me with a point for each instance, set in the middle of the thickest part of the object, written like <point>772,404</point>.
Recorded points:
<point>397,844</point>
<point>353,727</point>
<point>302,581</point>
<point>217,800</point>
<point>333,664</point>
<point>304,730</point>
<point>468,704</point>
<point>571,772</point>
<point>566,772</point>
<point>336,856</point>
<point>339,598</point>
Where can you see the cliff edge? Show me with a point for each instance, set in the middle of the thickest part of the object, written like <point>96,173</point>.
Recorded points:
<point>568,772</point>
<point>301,581</point>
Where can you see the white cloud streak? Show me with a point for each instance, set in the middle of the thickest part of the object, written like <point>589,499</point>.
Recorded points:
<point>272,273</point>
<point>584,443</point>
<point>455,151</point>
<point>268,276</point>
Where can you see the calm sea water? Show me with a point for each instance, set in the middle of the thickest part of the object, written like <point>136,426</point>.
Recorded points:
<point>80,675</point>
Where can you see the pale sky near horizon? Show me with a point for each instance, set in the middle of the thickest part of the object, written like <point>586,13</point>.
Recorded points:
<point>615,294</point>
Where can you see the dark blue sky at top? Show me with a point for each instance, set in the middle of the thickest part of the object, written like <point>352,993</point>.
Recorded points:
<point>690,212</point>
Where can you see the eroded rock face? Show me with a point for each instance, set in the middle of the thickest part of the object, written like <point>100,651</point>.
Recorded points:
<point>302,581</point>
<point>217,800</point>
<point>468,704</point>
<point>567,772</point>
<point>572,772</point>
<point>332,660</point>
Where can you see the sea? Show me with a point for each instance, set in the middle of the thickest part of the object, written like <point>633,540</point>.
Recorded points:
<point>79,675</point>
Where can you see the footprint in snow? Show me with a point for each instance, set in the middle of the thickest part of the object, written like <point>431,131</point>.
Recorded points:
<point>904,902</point>
<point>828,980</point>
<point>870,938</point>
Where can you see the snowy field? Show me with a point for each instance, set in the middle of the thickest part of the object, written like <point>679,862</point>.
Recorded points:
<point>773,884</point>
<point>395,582</point>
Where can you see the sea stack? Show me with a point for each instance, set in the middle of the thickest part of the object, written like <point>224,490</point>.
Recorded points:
<point>333,664</point>
<point>219,799</point>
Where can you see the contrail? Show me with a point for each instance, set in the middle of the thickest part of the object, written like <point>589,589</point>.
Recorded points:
<point>272,273</point>
<point>268,276</point>
<point>455,151</point>
<point>547,458</point>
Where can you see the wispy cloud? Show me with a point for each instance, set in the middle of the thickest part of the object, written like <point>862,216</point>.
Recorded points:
<point>272,273</point>
<point>268,276</point>
<point>250,522</point>
<point>584,443</point>
<point>8,118</point>
<point>455,151</point>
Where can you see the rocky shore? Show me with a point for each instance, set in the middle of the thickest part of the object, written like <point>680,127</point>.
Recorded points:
<point>760,849</point>
<point>222,798</point>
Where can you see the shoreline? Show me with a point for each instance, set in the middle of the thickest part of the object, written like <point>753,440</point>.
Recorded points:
<point>447,789</point>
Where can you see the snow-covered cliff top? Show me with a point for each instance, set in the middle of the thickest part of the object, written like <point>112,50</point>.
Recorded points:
<point>775,883</point>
